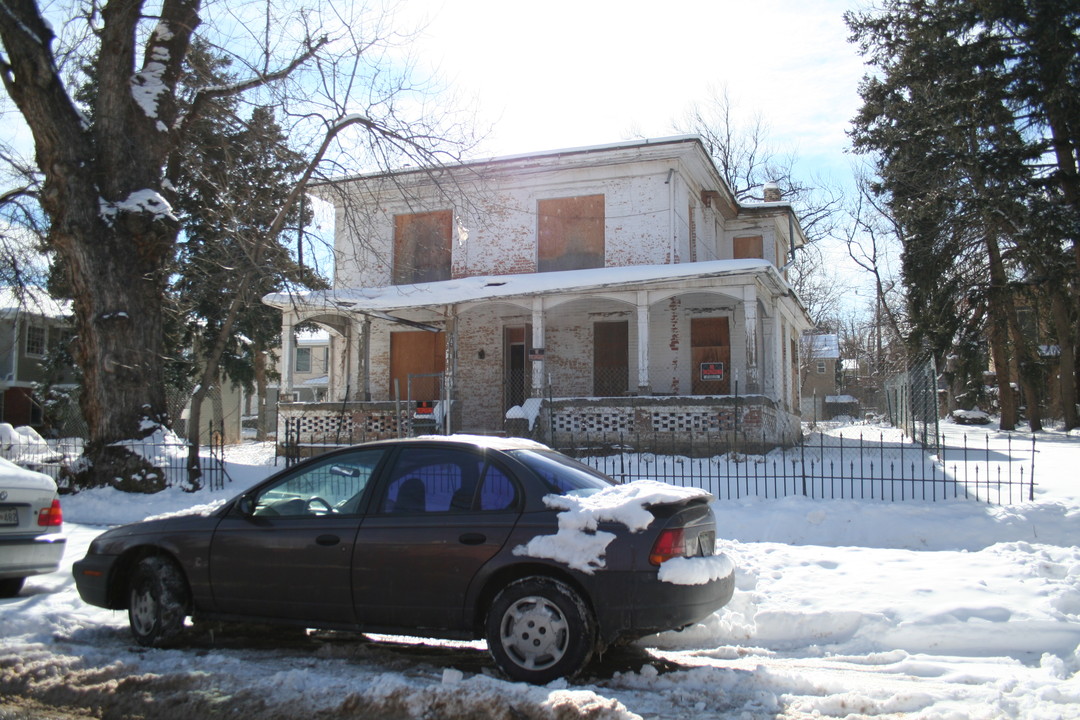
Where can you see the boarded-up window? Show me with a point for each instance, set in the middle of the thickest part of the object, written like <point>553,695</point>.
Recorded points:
<point>710,355</point>
<point>422,247</point>
<point>611,372</point>
<point>747,247</point>
<point>570,233</point>
<point>417,361</point>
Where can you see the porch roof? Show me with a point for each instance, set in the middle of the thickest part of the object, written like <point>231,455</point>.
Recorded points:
<point>492,287</point>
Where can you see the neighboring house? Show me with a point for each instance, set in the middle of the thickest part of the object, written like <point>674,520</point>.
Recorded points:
<point>311,366</point>
<point>31,324</point>
<point>615,289</point>
<point>822,396</point>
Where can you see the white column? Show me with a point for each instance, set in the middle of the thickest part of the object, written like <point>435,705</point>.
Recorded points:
<point>753,374</point>
<point>644,388</point>
<point>288,351</point>
<point>538,344</point>
<point>773,382</point>
<point>353,359</point>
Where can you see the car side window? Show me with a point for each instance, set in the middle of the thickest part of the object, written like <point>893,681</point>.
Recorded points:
<point>332,486</point>
<point>497,492</point>
<point>440,480</point>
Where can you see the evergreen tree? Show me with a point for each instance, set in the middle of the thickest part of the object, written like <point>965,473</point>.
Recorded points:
<point>958,165</point>
<point>234,176</point>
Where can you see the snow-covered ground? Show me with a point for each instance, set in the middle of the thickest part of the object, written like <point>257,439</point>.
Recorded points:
<point>843,609</point>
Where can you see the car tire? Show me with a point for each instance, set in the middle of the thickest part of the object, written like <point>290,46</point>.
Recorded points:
<point>539,629</point>
<point>157,602</point>
<point>10,587</point>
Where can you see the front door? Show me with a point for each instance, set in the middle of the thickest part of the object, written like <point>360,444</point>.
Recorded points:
<point>611,348</point>
<point>710,356</point>
<point>516,381</point>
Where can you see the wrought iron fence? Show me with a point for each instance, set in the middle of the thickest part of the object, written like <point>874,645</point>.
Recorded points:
<point>829,466</point>
<point>58,458</point>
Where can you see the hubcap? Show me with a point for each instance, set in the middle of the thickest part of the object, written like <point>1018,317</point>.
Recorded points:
<point>143,612</point>
<point>534,633</point>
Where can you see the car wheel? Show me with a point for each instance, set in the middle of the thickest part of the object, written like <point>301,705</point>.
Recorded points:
<point>10,587</point>
<point>539,629</point>
<point>157,602</point>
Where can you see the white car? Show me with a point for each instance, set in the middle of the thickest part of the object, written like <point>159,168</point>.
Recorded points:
<point>31,521</point>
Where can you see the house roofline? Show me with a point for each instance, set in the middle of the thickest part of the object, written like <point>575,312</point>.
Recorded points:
<point>730,206</point>
<point>471,289</point>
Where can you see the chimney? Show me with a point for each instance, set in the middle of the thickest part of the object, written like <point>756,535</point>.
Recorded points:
<point>772,192</point>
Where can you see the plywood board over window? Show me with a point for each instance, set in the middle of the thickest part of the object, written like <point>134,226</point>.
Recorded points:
<point>420,357</point>
<point>710,356</point>
<point>747,247</point>
<point>422,246</point>
<point>570,233</point>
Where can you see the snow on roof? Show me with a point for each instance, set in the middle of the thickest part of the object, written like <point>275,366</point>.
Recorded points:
<point>312,337</point>
<point>489,287</point>
<point>840,399</point>
<point>824,346</point>
<point>33,300</point>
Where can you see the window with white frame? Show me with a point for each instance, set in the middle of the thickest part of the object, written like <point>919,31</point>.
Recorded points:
<point>303,360</point>
<point>821,367</point>
<point>37,340</point>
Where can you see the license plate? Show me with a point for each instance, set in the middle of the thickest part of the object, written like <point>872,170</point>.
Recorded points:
<point>9,516</point>
<point>707,543</point>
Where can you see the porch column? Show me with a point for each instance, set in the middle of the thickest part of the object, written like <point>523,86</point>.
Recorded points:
<point>753,372</point>
<point>353,360</point>
<point>772,382</point>
<point>644,388</point>
<point>365,360</point>
<point>537,345</point>
<point>288,352</point>
<point>450,365</point>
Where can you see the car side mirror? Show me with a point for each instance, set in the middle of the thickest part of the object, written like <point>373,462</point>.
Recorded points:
<point>246,505</point>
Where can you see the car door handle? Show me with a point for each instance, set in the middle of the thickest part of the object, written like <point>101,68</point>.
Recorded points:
<point>472,539</point>
<point>328,540</point>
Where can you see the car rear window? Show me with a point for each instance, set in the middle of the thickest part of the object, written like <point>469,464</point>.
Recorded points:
<point>562,475</point>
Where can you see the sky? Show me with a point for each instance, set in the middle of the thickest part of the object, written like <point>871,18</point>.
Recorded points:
<point>578,73</point>
<point>569,73</point>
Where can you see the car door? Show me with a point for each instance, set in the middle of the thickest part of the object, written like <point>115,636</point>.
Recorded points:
<point>441,514</point>
<point>286,551</point>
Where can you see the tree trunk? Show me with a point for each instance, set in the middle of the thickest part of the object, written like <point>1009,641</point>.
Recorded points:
<point>109,224</point>
<point>194,432</point>
<point>1067,359</point>
<point>998,324</point>
<point>260,394</point>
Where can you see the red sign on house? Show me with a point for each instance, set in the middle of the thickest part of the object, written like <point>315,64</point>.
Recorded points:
<point>712,371</point>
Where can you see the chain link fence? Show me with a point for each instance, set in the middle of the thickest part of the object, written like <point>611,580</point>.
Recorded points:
<point>911,400</point>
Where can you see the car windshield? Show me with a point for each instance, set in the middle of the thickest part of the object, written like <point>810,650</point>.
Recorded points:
<point>563,475</point>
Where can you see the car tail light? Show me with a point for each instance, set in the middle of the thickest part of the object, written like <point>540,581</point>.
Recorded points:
<point>51,516</point>
<point>670,544</point>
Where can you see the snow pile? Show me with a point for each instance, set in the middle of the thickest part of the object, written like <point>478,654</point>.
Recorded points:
<point>695,571</point>
<point>578,543</point>
<point>842,609</point>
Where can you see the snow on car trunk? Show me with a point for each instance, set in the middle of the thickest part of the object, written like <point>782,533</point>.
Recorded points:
<point>579,543</point>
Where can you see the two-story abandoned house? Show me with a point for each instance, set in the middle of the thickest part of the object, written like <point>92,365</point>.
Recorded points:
<point>617,290</point>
